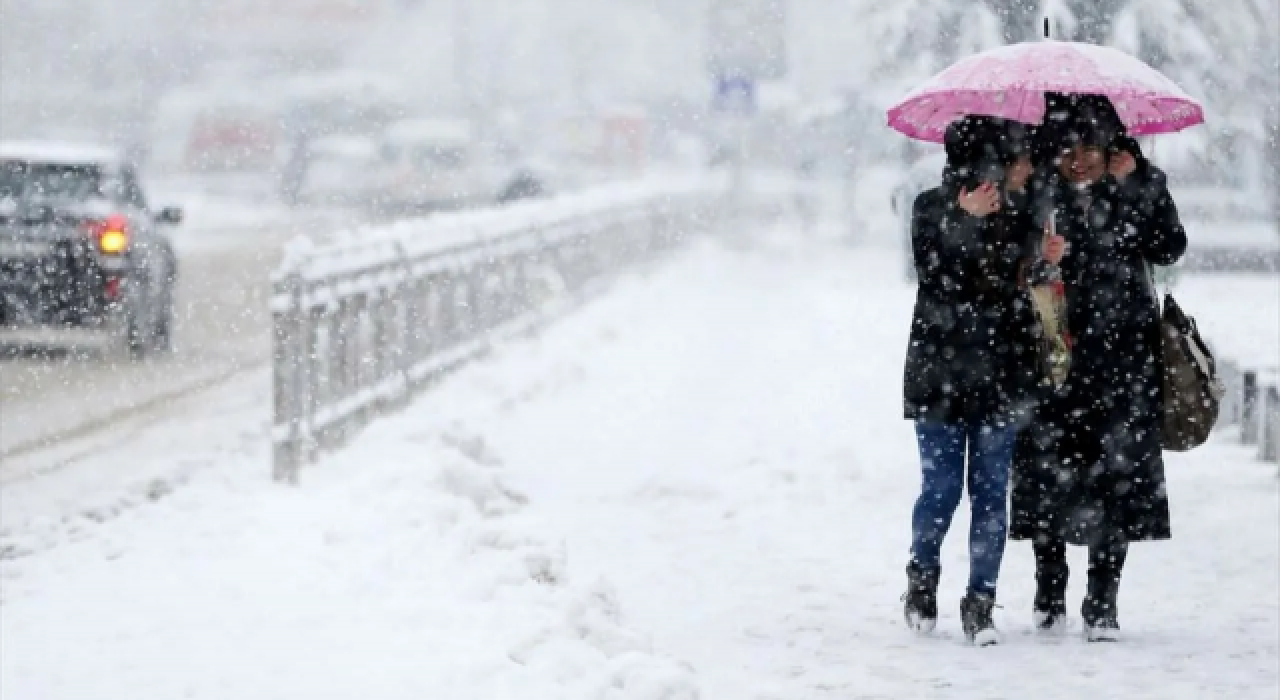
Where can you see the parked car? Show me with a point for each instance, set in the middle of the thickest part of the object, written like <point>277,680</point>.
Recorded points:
<point>337,171</point>
<point>441,163</point>
<point>83,256</point>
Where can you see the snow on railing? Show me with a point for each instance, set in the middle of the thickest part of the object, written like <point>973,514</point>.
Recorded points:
<point>362,320</point>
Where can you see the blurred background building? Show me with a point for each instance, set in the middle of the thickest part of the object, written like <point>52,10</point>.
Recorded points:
<point>145,72</point>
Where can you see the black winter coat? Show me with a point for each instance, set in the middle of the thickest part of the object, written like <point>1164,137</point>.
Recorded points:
<point>971,355</point>
<point>1089,465</point>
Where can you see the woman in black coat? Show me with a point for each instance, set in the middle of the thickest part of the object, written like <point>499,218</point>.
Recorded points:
<point>1088,470</point>
<point>970,370</point>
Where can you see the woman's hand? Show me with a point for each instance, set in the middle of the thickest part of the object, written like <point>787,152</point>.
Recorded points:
<point>1053,247</point>
<point>1122,165</point>
<point>982,201</point>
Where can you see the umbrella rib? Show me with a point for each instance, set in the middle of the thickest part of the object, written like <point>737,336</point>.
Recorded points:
<point>970,74</point>
<point>1030,95</point>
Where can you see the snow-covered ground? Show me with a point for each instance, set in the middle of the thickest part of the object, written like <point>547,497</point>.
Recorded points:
<point>1239,314</point>
<point>697,486</point>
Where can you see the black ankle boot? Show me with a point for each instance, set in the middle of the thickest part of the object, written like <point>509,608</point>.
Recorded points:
<point>1049,614</point>
<point>1049,610</point>
<point>1101,616</point>
<point>1101,620</point>
<point>921,599</point>
<point>975,618</point>
<point>1100,609</point>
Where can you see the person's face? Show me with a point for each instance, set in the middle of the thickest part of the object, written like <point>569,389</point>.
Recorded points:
<point>1083,165</point>
<point>1019,173</point>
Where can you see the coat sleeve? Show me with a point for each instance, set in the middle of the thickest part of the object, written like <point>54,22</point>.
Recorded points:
<point>946,246</point>
<point>1019,255</point>
<point>1152,227</point>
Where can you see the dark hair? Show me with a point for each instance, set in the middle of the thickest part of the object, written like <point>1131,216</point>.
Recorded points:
<point>980,149</point>
<point>1126,144</point>
<point>1078,120</point>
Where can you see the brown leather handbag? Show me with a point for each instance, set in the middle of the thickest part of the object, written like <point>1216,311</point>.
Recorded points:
<point>1192,389</point>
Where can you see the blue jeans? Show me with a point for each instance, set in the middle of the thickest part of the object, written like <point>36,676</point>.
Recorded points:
<point>943,447</point>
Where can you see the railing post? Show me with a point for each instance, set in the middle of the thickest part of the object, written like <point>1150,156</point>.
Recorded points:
<point>382,347</point>
<point>449,323</point>
<point>520,262</point>
<point>337,364</point>
<point>356,360</point>
<point>1229,411</point>
<point>406,315</point>
<point>315,379</point>
<point>428,327</point>
<point>1249,409</point>
<point>1269,444</point>
<point>420,320</point>
<point>476,311</point>
<point>509,286</point>
<point>287,380</point>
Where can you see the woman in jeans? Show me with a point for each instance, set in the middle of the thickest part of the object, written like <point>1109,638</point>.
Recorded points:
<point>971,374</point>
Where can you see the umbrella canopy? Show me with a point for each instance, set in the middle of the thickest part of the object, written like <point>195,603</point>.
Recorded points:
<point>1011,82</point>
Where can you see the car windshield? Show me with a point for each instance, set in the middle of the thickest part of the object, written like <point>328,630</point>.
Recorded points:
<point>24,180</point>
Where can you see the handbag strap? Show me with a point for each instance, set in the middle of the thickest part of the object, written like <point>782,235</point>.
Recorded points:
<point>1191,340</point>
<point>1202,360</point>
<point>1150,279</point>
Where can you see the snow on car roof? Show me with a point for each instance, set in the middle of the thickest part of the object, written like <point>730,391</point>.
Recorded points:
<point>350,85</point>
<point>60,152</point>
<point>428,129</point>
<point>344,146</point>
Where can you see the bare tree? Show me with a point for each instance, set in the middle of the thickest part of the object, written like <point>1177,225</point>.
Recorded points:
<point>1019,19</point>
<point>1269,84</point>
<point>1094,19</point>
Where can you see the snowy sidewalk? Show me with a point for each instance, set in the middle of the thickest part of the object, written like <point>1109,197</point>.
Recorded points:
<point>733,460</point>
<point>697,484</point>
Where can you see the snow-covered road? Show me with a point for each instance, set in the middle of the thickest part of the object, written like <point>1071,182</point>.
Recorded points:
<point>697,486</point>
<point>226,250</point>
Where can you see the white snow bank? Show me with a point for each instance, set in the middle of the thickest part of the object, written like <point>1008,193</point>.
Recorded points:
<point>407,567</point>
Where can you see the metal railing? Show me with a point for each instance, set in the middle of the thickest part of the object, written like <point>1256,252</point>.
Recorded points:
<point>361,323</point>
<point>1252,402</point>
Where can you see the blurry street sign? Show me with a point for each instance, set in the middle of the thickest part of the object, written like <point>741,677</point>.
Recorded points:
<point>734,95</point>
<point>747,38</point>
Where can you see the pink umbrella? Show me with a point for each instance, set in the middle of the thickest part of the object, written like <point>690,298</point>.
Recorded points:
<point>1011,82</point>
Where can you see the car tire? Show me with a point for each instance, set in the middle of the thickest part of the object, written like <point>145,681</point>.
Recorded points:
<point>162,331</point>
<point>143,326</point>
<point>161,339</point>
<point>133,338</point>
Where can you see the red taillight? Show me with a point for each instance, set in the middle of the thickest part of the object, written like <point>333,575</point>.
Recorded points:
<point>111,235</point>
<point>111,289</point>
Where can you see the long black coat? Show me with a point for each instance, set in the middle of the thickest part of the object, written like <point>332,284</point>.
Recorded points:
<point>1089,464</point>
<point>971,352</point>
